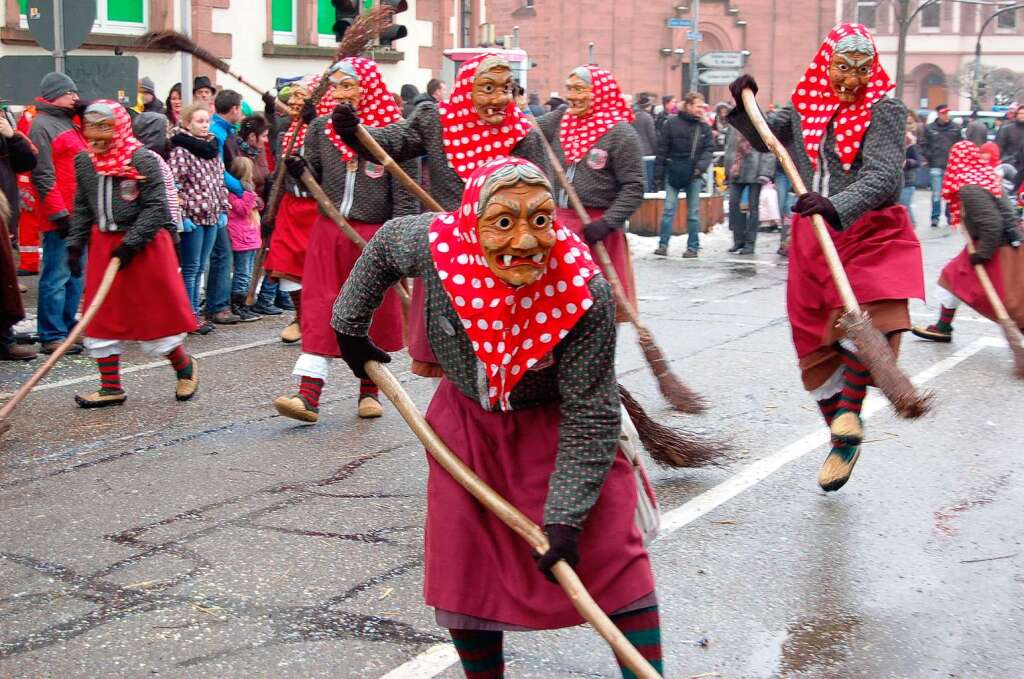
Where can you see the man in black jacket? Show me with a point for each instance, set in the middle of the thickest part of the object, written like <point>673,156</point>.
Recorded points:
<point>1011,144</point>
<point>684,153</point>
<point>939,137</point>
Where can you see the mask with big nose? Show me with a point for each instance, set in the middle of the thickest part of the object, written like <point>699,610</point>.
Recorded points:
<point>297,96</point>
<point>515,227</point>
<point>347,89</point>
<point>849,70</point>
<point>99,131</point>
<point>492,91</point>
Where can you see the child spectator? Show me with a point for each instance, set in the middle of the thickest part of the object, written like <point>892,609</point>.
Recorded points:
<point>244,229</point>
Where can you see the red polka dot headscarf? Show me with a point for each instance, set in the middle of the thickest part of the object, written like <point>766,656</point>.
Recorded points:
<point>469,142</point>
<point>323,107</point>
<point>116,162</point>
<point>965,166</point>
<point>511,329</point>
<point>578,135</point>
<point>376,105</point>
<point>818,105</point>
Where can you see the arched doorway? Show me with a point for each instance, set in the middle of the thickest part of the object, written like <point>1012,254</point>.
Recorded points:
<point>932,88</point>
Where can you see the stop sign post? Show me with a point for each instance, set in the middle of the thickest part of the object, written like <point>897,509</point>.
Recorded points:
<point>59,26</point>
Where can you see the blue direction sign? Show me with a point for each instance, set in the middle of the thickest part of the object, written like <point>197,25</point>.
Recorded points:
<point>696,36</point>
<point>673,22</point>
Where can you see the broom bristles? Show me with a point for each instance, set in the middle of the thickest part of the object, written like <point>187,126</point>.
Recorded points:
<point>173,40</point>
<point>680,397</point>
<point>669,446</point>
<point>1016,342</point>
<point>877,355</point>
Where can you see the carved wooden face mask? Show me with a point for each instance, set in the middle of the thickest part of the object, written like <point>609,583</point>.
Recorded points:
<point>849,74</point>
<point>516,232</point>
<point>492,91</point>
<point>297,96</point>
<point>99,131</point>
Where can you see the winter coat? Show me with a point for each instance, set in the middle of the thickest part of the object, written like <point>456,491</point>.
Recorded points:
<point>644,126</point>
<point>151,129</point>
<point>753,166</point>
<point>244,231</point>
<point>16,156</point>
<point>938,139</point>
<point>58,140</point>
<point>684,150</point>
<point>199,175</point>
<point>227,142</point>
<point>910,166</point>
<point>1011,148</point>
<point>988,218</point>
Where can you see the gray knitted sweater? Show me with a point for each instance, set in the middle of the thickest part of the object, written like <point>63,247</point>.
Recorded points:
<point>611,177</point>
<point>138,208</point>
<point>875,178</point>
<point>420,135</point>
<point>581,380</point>
<point>367,193</point>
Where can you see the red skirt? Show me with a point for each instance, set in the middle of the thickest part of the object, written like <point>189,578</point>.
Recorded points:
<point>287,255</point>
<point>424,363</point>
<point>330,260</point>
<point>1006,270</point>
<point>148,299</point>
<point>475,565</point>
<point>618,252</point>
<point>882,258</point>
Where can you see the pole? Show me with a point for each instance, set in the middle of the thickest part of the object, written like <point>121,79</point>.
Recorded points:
<point>590,53</point>
<point>975,89</point>
<point>185,8</point>
<point>58,35</point>
<point>901,48</point>
<point>695,50</point>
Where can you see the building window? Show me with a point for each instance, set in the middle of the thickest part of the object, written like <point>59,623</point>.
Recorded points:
<point>325,23</point>
<point>867,13</point>
<point>931,16</point>
<point>528,4</point>
<point>284,21</point>
<point>125,17</point>
<point>1007,20</point>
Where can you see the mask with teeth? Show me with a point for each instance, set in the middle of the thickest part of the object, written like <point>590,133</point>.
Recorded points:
<point>579,92</point>
<point>492,92</point>
<point>849,74</point>
<point>515,226</point>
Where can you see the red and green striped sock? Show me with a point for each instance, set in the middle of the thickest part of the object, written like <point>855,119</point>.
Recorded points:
<point>181,362</point>
<point>856,380</point>
<point>945,323</point>
<point>368,388</point>
<point>643,629</point>
<point>828,408</point>
<point>480,652</point>
<point>110,374</point>
<point>309,391</point>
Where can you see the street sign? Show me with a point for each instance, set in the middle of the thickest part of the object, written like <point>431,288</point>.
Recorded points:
<point>722,60</point>
<point>97,77</point>
<point>78,17</point>
<point>679,23</point>
<point>696,36</point>
<point>719,76</point>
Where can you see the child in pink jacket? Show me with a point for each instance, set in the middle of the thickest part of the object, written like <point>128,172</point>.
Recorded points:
<point>244,229</point>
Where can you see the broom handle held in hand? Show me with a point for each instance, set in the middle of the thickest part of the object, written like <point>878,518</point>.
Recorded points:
<point>986,283</point>
<point>375,149</point>
<point>835,265</point>
<point>97,301</point>
<point>512,517</point>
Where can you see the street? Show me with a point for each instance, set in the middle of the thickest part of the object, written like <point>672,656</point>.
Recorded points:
<point>216,539</point>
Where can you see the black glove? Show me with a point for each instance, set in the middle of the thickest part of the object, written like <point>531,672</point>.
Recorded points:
<point>356,351</point>
<point>736,87</point>
<point>75,260</point>
<point>125,253</point>
<point>977,259</point>
<point>63,225</point>
<point>308,112</point>
<point>563,544</point>
<point>812,203</point>
<point>80,106</point>
<point>269,101</point>
<point>596,231</point>
<point>266,228</point>
<point>296,165</point>
<point>345,120</point>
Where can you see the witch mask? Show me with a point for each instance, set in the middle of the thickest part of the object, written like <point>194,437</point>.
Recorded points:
<point>849,71</point>
<point>492,91</point>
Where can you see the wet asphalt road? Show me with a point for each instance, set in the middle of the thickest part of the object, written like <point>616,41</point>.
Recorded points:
<point>216,539</point>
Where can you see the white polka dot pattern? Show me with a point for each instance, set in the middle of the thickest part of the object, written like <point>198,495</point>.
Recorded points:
<point>510,329</point>
<point>966,167</point>
<point>818,105</point>
<point>578,135</point>
<point>376,105</point>
<point>323,107</point>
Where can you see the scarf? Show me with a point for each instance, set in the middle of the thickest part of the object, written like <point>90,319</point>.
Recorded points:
<point>469,142</point>
<point>819,107</point>
<point>116,162</point>
<point>323,107</point>
<point>578,135</point>
<point>203,148</point>
<point>965,166</point>
<point>511,328</point>
<point>377,107</point>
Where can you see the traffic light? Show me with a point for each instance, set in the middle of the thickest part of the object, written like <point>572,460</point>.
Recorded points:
<point>345,14</point>
<point>393,31</point>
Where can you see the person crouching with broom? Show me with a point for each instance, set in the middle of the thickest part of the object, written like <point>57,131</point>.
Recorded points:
<point>846,137</point>
<point>123,209</point>
<point>525,333</point>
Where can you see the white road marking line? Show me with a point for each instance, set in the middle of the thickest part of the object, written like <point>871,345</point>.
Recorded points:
<point>147,366</point>
<point>756,262</point>
<point>440,657</point>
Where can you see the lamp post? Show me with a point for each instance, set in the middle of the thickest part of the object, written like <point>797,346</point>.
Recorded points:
<point>695,50</point>
<point>975,105</point>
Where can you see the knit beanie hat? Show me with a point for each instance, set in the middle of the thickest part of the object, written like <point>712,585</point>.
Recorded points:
<point>146,85</point>
<point>54,85</point>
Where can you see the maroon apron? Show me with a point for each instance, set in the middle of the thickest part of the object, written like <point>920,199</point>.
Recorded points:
<point>618,252</point>
<point>287,255</point>
<point>1005,269</point>
<point>329,261</point>
<point>476,566</point>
